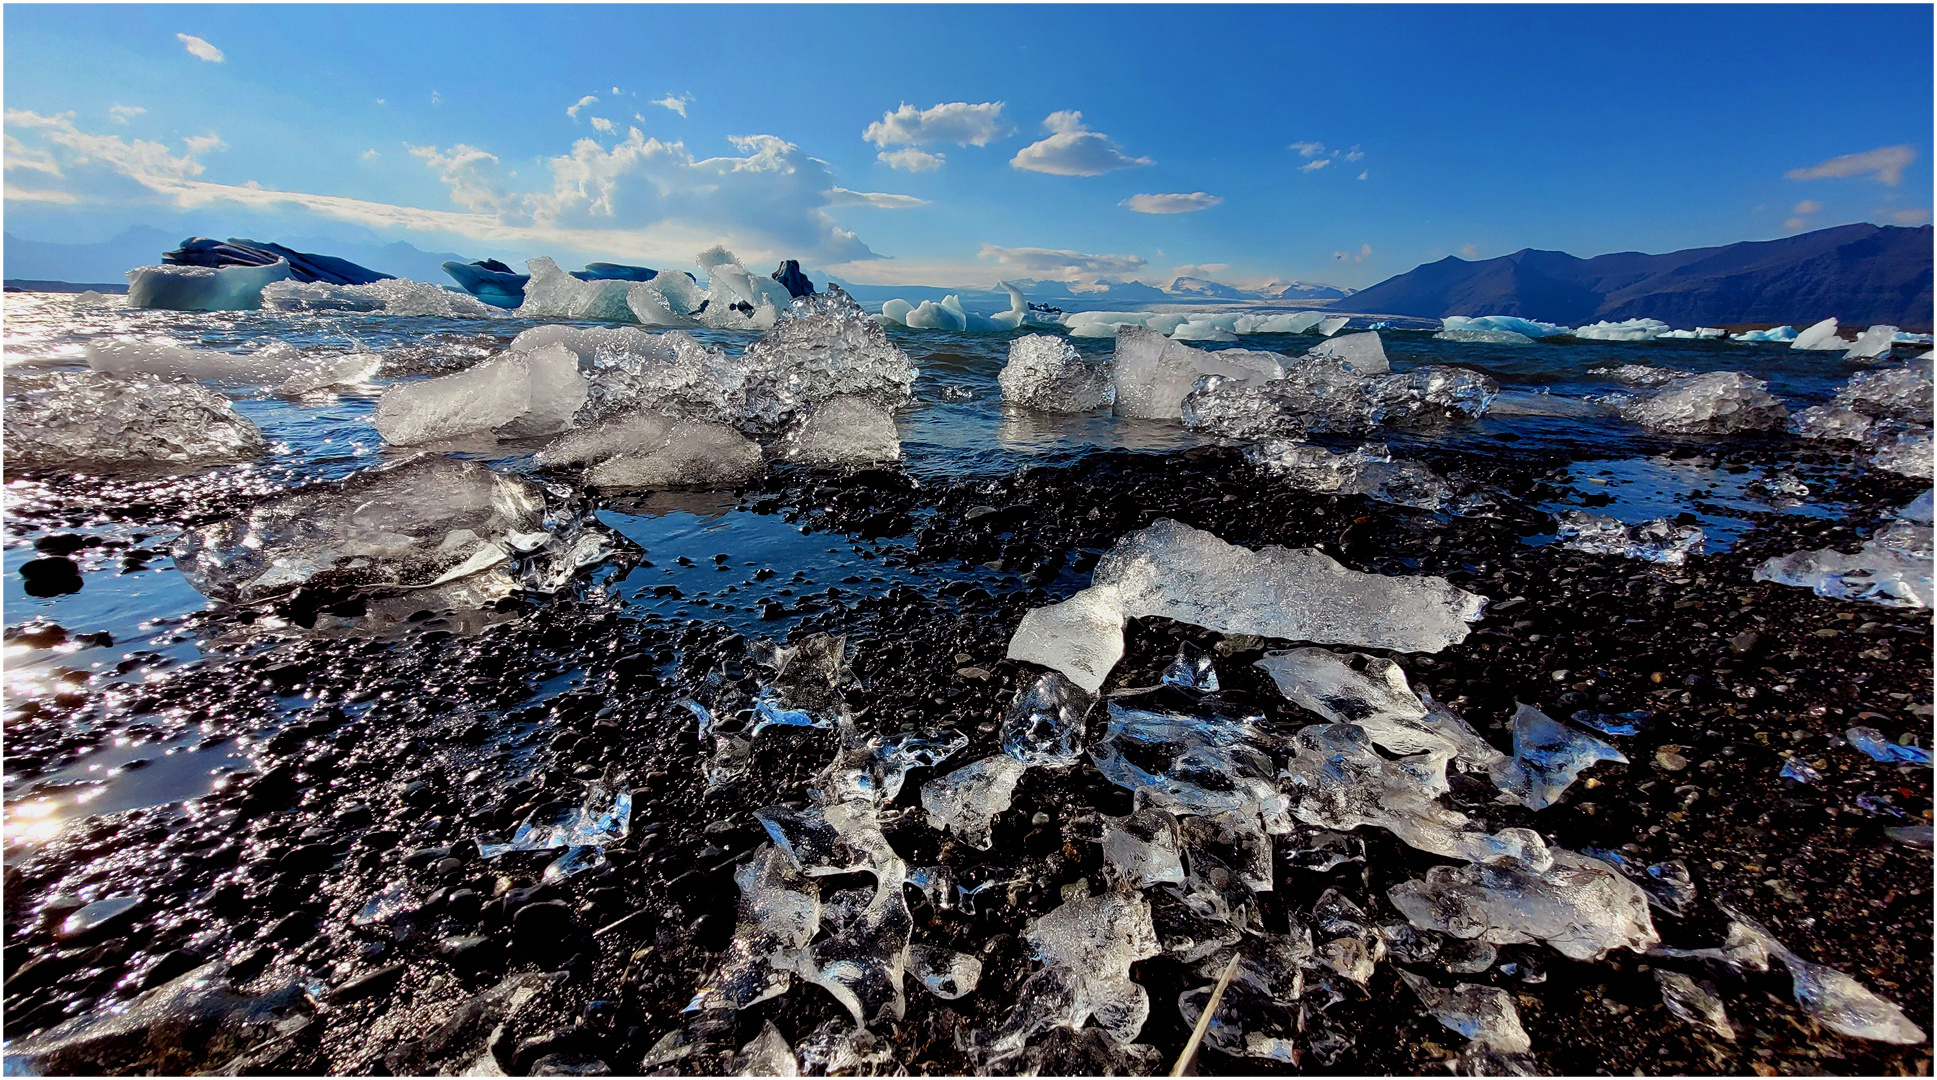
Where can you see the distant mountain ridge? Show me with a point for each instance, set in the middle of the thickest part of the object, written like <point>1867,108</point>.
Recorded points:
<point>1862,274</point>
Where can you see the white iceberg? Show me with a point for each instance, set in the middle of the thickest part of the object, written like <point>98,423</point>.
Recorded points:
<point>554,294</point>
<point>1820,337</point>
<point>669,299</point>
<point>513,395</point>
<point>1629,330</point>
<point>738,298</point>
<point>392,296</point>
<point>1511,324</point>
<point>949,314</point>
<point>1776,334</point>
<point>1154,374</point>
<point>202,288</point>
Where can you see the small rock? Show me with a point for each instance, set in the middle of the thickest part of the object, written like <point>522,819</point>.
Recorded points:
<point>102,915</point>
<point>54,576</point>
<point>375,984</point>
<point>1669,758</point>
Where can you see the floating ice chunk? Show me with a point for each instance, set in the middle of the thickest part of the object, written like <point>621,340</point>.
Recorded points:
<point>202,288</point>
<point>1902,393</point>
<point>1323,394</point>
<point>1296,322</point>
<point>1700,333</point>
<point>1693,1004</point>
<point>1193,669</point>
<point>1641,374</point>
<point>1873,344</point>
<point>395,296</point>
<point>1713,403</point>
<point>1045,373</point>
<point>414,523</point>
<point>737,298</point>
<point>280,365</point>
<point>968,799</point>
<point>1658,541</point>
<point>1511,324</point>
<point>1044,725</point>
<point>1629,330</point>
<point>1547,757</point>
<point>946,973</point>
<point>1821,336</point>
<point>1143,848</point>
<point>1484,1014</point>
<point>670,299</point>
<point>766,1055</point>
<point>1361,354</point>
<point>1201,330</point>
<point>603,818</point>
<point>1878,746</point>
<point>1483,337</point>
<point>1373,693</point>
<point>554,294</point>
<point>1582,907</point>
<point>514,395</point>
<point>1332,324</point>
<point>1190,765</point>
<point>61,420</point>
<point>694,454</point>
<point>848,430</point>
<point>825,347</point>
<point>1154,374</point>
<point>1778,334</point>
<point>1832,422</point>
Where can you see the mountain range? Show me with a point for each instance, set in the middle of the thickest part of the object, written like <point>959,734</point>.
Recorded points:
<point>1861,274</point>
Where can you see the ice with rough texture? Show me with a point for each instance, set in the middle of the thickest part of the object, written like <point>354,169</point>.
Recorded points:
<point>1873,344</point>
<point>737,298</point>
<point>510,396</point>
<point>1547,757</point>
<point>1189,764</point>
<point>424,521</point>
<point>1177,572</point>
<point>280,365</point>
<point>1878,746</point>
<point>1373,693</point>
<point>1369,471</point>
<point>395,296</point>
<point>1832,422</point>
<point>692,454</point>
<point>202,288</point>
<point>1657,541</point>
<point>1483,1014</point>
<point>1511,324</point>
<point>1086,947</point>
<point>1582,907</point>
<point>825,347</point>
<point>1713,403</point>
<point>1044,724</point>
<point>968,799</point>
<point>1700,333</point>
<point>1909,456</point>
<point>630,369</point>
<point>1693,1003</point>
<point>767,1054</point>
<point>1154,374</point>
<point>945,973</point>
<point>1898,393</point>
<point>554,294</point>
<point>1892,568</point>
<point>1361,354</point>
<point>1324,394</point>
<point>847,430</point>
<point>779,913</point>
<point>1335,780</point>
<point>1143,848</point>
<point>1627,330</point>
<point>1832,998</point>
<point>1483,337</point>
<point>1820,337</point>
<point>64,420</point>
<point>1776,334</point>
<point>1046,373</point>
<point>604,817</point>
<point>1193,669</point>
<point>1641,374</point>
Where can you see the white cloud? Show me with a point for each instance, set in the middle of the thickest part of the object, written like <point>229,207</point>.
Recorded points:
<point>1309,149</point>
<point>204,144</point>
<point>675,102</point>
<point>572,110</point>
<point>1364,253</point>
<point>1060,265</point>
<point>1471,251</point>
<point>1199,270</point>
<point>137,159</point>
<point>601,123</point>
<point>1911,217</point>
<point>470,173</point>
<point>199,49</point>
<point>911,160</point>
<point>371,155</point>
<point>954,121</point>
<point>436,98</point>
<point>1354,154</point>
<point>1073,150</point>
<point>1314,166</point>
<point>841,196</point>
<point>1796,224</point>
<point>615,91</point>
<point>22,156</point>
<point>121,114</point>
<point>14,194</point>
<point>1175,203</point>
<point>1807,206</point>
<point>380,101</point>
<point>1365,174</point>
<point>1887,162</point>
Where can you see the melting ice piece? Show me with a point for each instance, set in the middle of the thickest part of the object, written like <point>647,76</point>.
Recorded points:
<point>1153,374</point>
<point>1348,942</point>
<point>1834,999</point>
<point>1484,1014</point>
<point>1832,422</point>
<point>1192,765</point>
<point>1368,470</point>
<point>861,960</point>
<point>825,347</point>
<point>1483,337</point>
<point>846,430</point>
<point>1547,756</point>
<point>695,454</point>
<point>1258,1015</point>
<point>202,288</point>
<point>780,912</point>
<point>1877,745</point>
<point>1373,693</point>
<point>554,294</point>
<point>576,860</point>
<point>1819,336</point>
<point>766,1055</point>
<point>1873,344</point>
<point>1177,572</point>
<point>279,365</point>
<point>968,799</point>
<point>1045,373</point>
<point>837,1048</point>
<point>1798,770</point>
<point>632,370</point>
<point>1693,1004</point>
<point>1902,393</point>
<point>511,396</point>
<point>1360,353</point>
<point>603,818</point>
<point>1227,858</point>
<point>1908,456</point>
<point>65,420</point>
<point>737,298</point>
<point>1192,670</point>
<point>1582,907</point>
<point>395,296</point>
<point>1713,403</point>
<point>1143,848</point>
<point>1668,885</point>
<point>946,973</point>
<point>1659,540</point>
<point>1641,374</point>
<point>1892,568</point>
<point>1044,725</point>
<point>394,900</point>
<point>874,770</point>
<point>1086,947</point>
<point>1332,324</point>
<point>669,299</point>
<point>1335,780</point>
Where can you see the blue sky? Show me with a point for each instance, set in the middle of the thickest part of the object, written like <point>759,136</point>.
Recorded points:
<point>1340,144</point>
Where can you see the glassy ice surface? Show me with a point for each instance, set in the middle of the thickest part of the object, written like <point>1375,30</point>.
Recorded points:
<point>1659,541</point>
<point>967,800</point>
<point>1713,403</point>
<point>1044,724</point>
<point>1188,764</point>
<point>1484,1014</point>
<point>396,296</point>
<point>1832,998</point>
<point>1045,373</point>
<point>1892,568</point>
<point>766,1055</point>
<point>1143,848</point>
<point>61,420</point>
<point>1154,374</point>
<point>1335,780</point>
<point>945,973</point>
<point>847,430</point>
<point>1693,1003</point>
<point>1877,745</point>
<point>1086,948</point>
<point>605,817</point>
<point>202,288</point>
<point>1369,471</point>
<point>1372,693</point>
<point>1582,907</point>
<point>1799,770</point>
<point>1547,757</point>
<point>515,395</point>
<point>278,365</point>
<point>1193,669</point>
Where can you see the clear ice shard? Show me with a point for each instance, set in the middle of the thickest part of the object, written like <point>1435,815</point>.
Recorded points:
<point>392,296</point>
<point>1045,373</point>
<point>1258,1016</point>
<point>1892,568</point>
<point>1372,693</point>
<point>1369,471</point>
<point>202,288</point>
<point>1360,353</point>
<point>1713,403</point>
<point>1177,572</point>
<point>1153,374</point>
<point>510,396</point>
<point>1693,1003</point>
<point>1193,669</point>
<point>1348,943</point>
<point>1832,998</point>
<point>1483,337</point>
<point>1872,344</point>
<point>604,817</point>
<point>1086,947</point>
<point>945,973</point>
<point>1547,757</point>
<point>1897,393</point>
<point>631,369</point>
<point>1335,780</point>
<point>1044,724</point>
<point>737,298</point>
<point>1909,455</point>
<point>1190,765</point>
<point>1641,374</point>
<point>1878,746</point>
<point>64,420</point>
<point>279,365</point>
<point>1322,392</point>
<point>420,522</point>
<point>1582,907</point>
<point>1227,860</point>
<point>1484,1014</point>
<point>554,294</point>
<point>846,430</point>
<point>766,1055</point>
<point>1143,848</point>
<point>780,911</point>
<point>1658,541</point>
<point>1668,885</point>
<point>968,799</point>
<point>695,454</point>
<point>823,347</point>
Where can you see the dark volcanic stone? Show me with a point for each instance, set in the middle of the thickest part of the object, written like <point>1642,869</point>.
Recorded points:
<point>50,577</point>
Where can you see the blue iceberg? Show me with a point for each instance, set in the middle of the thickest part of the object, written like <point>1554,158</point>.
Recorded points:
<point>500,286</point>
<point>236,251</point>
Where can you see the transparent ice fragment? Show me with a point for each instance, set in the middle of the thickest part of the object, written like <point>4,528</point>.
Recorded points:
<point>1186,764</point>
<point>511,396</point>
<point>1323,850</point>
<point>1185,931</point>
<point>1143,848</point>
<point>1086,947</point>
<point>1335,780</point>
<point>1082,637</point>
<point>823,347</point>
<point>779,913</point>
<point>554,294</point>
<point>1373,693</point>
<point>1045,373</point>
<point>1627,723</point>
<point>1834,999</point>
<point>1348,943</point>
<point>1892,568</point>
<point>946,973</point>
<point>1483,1014</point>
<point>694,454</point>
<point>394,900</point>
<point>603,818</point>
<point>1154,374</point>
<point>874,769</point>
<point>1483,337</point>
<point>1909,456</point>
<point>279,365</point>
<point>1582,907</point>
<point>1693,1003</point>
<point>968,799</point>
<point>1228,861</point>
<point>1369,471</point>
<point>1468,957</point>
<point>837,1048</point>
<point>1259,1013</point>
<point>1659,540</point>
<point>1877,745</point>
<point>393,296</point>
<point>1044,725</point>
<point>1832,422</point>
<point>766,1055</point>
<point>1798,770</point>
<point>1547,757</point>
<point>1192,670</point>
<point>1712,403</point>
<point>1640,374</point>
<point>845,430</point>
<point>63,420</point>
<point>1898,393</point>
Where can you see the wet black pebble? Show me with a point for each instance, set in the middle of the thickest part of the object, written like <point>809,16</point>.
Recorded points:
<point>375,984</point>
<point>469,952</point>
<point>62,543</point>
<point>51,577</point>
<point>542,926</point>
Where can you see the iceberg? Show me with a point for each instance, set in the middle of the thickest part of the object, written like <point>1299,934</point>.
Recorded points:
<point>1630,330</point>
<point>510,396</point>
<point>279,364</point>
<point>1659,540</point>
<point>1154,374</point>
<point>1700,333</point>
<point>552,293</point>
<point>202,251</point>
<point>202,288</point>
<point>1714,403</point>
<point>65,420</point>
<point>666,300</point>
<point>1177,572</point>
<point>1296,322</point>
<point>490,281</point>
<point>1510,324</point>
<point>737,298</point>
<point>1820,337</point>
<point>1777,334</point>
<point>791,279</point>
<point>395,296</point>
<point>1045,373</point>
